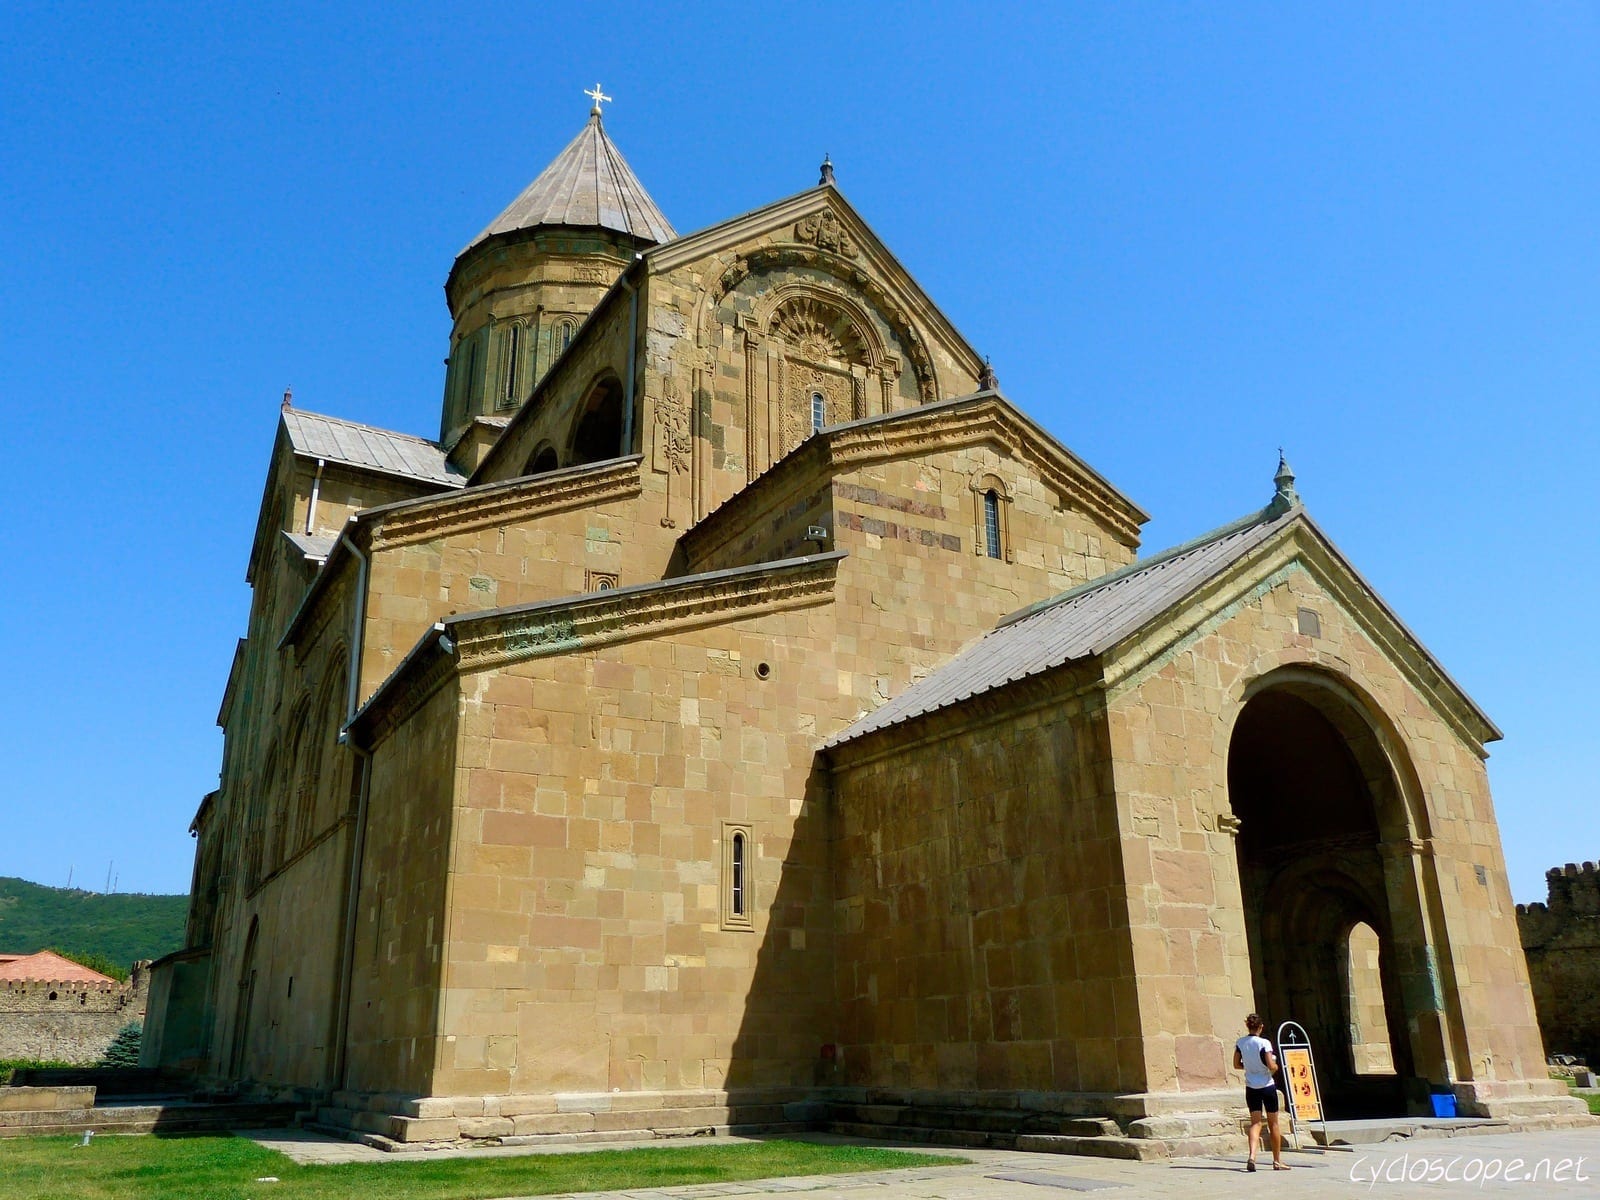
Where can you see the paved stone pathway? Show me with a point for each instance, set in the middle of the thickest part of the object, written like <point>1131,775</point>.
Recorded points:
<point>1560,1165</point>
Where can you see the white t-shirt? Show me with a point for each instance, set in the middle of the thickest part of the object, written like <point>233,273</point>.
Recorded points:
<point>1253,1051</point>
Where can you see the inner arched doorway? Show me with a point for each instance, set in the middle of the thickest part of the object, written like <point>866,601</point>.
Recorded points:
<point>1334,925</point>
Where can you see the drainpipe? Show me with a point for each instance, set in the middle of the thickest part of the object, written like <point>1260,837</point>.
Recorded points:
<point>633,353</point>
<point>316,490</point>
<point>358,838</point>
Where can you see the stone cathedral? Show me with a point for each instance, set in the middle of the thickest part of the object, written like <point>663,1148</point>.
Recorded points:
<point>742,715</point>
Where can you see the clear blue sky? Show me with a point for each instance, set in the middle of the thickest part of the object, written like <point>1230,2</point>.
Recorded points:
<point>1186,234</point>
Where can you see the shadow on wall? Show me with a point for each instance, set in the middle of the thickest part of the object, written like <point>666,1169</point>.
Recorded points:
<point>788,1027</point>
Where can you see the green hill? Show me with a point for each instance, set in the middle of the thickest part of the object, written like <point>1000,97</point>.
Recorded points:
<point>121,928</point>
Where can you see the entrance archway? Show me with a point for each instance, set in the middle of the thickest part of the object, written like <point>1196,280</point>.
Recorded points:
<point>1334,925</point>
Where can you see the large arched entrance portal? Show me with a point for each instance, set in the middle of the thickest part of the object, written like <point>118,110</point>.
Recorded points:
<point>1336,934</point>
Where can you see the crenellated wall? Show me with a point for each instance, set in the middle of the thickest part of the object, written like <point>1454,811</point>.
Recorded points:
<point>68,1021</point>
<point>1562,941</point>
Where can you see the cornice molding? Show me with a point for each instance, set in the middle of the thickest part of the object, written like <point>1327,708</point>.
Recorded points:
<point>625,614</point>
<point>483,641</point>
<point>951,425</point>
<point>502,503</point>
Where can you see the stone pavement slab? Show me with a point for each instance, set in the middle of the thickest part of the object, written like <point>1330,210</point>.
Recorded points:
<point>1556,1165</point>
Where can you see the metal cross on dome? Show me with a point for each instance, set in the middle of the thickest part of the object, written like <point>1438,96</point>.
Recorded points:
<point>597,96</point>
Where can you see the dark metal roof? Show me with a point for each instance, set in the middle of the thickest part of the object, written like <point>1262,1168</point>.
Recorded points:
<point>313,546</point>
<point>1077,624</point>
<point>588,185</point>
<point>367,446</point>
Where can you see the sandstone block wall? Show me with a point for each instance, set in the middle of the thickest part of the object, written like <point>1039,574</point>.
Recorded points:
<point>983,940</point>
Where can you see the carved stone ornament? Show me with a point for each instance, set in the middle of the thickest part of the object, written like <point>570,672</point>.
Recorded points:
<point>824,231</point>
<point>672,432</point>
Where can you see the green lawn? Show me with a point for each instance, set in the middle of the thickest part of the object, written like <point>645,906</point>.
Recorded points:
<point>227,1168</point>
<point>1592,1100</point>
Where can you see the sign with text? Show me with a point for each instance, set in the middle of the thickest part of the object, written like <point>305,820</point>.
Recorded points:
<point>1301,1077</point>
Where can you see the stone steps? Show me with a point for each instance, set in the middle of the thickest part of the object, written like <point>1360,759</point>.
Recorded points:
<point>989,1128</point>
<point>147,1118</point>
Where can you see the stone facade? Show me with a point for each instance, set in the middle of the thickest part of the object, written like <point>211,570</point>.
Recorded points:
<point>545,807</point>
<point>1562,941</point>
<point>69,1021</point>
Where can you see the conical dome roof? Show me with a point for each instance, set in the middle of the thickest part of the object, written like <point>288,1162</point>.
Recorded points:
<point>588,185</point>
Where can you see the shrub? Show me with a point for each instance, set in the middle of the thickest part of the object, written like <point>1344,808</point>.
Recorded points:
<point>124,1048</point>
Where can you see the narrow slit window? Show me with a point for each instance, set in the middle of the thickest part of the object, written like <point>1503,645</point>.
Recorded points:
<point>991,523</point>
<point>564,332</point>
<point>738,902</point>
<point>819,412</point>
<point>513,359</point>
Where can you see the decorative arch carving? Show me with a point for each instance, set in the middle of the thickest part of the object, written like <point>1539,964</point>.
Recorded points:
<point>850,275</point>
<point>821,326</point>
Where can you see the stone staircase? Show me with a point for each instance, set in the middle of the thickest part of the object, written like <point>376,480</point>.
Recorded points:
<point>74,1109</point>
<point>988,1128</point>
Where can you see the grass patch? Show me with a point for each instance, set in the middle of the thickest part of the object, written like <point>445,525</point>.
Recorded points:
<point>1591,1099</point>
<point>204,1167</point>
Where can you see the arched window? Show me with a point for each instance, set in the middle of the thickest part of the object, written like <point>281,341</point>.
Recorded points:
<point>561,336</point>
<point>819,412</point>
<point>511,377</point>
<point>991,523</point>
<point>736,895</point>
<point>542,460</point>
<point>991,526</point>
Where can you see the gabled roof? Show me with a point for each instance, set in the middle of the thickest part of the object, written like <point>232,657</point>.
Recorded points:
<point>1080,623</point>
<point>313,435</point>
<point>588,185</point>
<point>48,967</point>
<point>714,239</point>
<point>1091,619</point>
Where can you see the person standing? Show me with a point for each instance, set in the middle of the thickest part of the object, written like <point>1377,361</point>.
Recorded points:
<point>1253,1055</point>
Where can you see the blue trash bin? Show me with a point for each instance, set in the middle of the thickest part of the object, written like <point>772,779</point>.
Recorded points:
<point>1444,1104</point>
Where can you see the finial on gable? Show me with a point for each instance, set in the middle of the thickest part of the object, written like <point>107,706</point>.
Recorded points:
<point>1285,497</point>
<point>288,400</point>
<point>987,380</point>
<point>827,171</point>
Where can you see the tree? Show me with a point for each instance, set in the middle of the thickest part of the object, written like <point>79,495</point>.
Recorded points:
<point>124,1048</point>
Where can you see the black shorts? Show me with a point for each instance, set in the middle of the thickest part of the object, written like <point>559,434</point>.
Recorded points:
<point>1261,1099</point>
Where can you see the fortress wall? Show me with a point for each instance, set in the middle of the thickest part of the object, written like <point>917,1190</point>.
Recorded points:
<point>67,1022</point>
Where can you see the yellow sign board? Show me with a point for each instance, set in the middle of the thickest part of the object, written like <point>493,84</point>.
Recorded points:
<point>1302,1080</point>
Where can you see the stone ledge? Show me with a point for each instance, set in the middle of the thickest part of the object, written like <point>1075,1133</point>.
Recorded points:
<point>45,1099</point>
